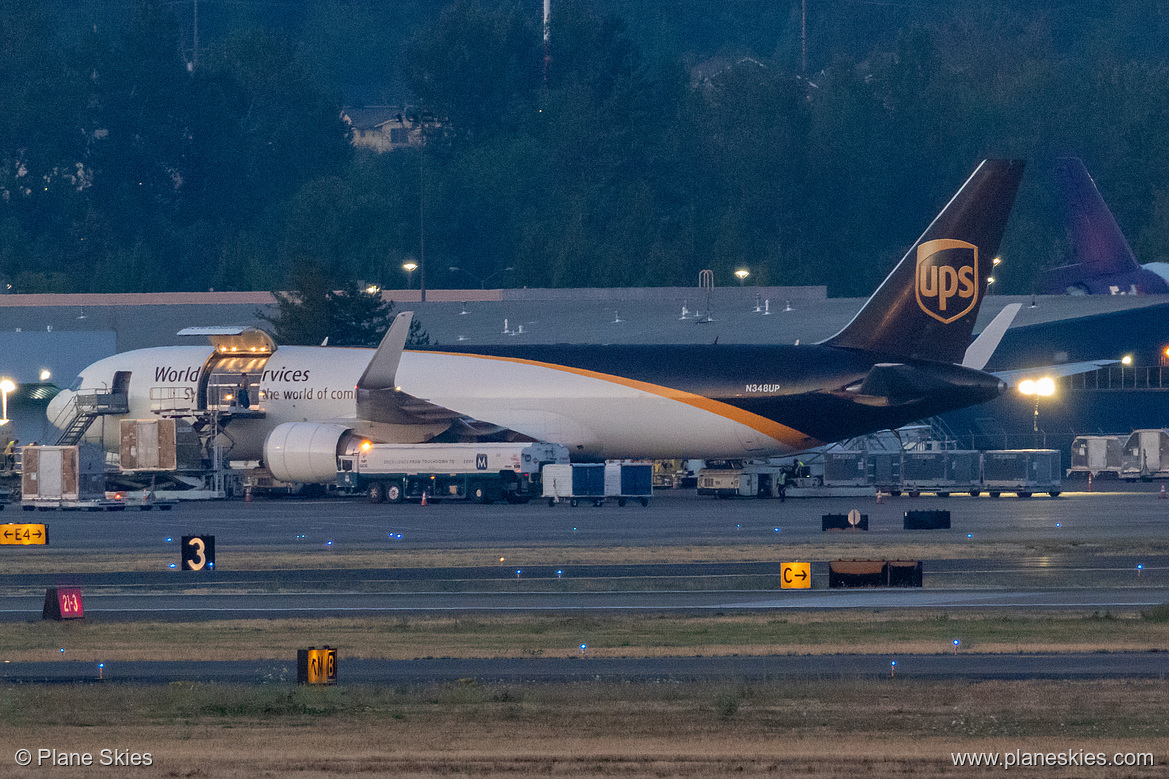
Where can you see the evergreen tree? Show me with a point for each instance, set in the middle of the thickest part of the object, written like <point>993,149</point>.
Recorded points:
<point>346,314</point>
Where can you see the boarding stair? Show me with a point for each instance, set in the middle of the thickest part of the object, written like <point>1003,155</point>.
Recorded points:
<point>83,409</point>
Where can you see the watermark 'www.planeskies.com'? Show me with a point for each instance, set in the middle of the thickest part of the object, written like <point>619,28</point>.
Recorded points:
<point>1065,759</point>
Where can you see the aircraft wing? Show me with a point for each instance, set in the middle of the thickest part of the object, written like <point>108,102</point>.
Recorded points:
<point>380,400</point>
<point>1052,371</point>
<point>378,397</point>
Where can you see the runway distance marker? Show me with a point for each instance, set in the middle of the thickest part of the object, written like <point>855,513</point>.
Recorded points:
<point>24,534</point>
<point>63,603</point>
<point>198,553</point>
<point>796,576</point>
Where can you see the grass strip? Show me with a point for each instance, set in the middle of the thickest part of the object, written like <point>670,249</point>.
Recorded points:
<point>880,728</point>
<point>616,635</point>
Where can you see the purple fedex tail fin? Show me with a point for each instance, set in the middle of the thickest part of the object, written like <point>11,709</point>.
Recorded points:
<point>925,309</point>
<point>1101,261</point>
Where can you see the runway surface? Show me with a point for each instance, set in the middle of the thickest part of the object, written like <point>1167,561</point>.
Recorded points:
<point>1079,551</point>
<point>974,667</point>
<point>306,527</point>
<point>1086,552</point>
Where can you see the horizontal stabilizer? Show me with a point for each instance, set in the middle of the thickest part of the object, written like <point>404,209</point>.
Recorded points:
<point>978,354</point>
<point>1052,371</point>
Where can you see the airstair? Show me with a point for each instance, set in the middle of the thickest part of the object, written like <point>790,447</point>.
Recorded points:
<point>75,419</point>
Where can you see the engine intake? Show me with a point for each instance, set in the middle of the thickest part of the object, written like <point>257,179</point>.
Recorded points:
<point>305,452</point>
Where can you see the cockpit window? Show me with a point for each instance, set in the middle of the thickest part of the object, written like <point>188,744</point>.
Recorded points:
<point>76,385</point>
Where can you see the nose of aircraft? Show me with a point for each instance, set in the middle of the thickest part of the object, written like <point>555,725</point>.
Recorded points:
<point>57,406</point>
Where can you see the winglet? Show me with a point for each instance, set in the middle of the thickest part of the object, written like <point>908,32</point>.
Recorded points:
<point>979,352</point>
<point>383,366</point>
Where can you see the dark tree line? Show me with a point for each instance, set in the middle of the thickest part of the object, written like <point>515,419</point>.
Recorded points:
<point>633,160</point>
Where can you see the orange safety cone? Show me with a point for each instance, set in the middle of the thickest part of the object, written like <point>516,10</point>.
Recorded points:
<point>879,501</point>
<point>1162,492</point>
<point>424,497</point>
<point>248,495</point>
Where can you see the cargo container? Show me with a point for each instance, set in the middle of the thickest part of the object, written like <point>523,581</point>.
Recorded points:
<point>1145,455</point>
<point>964,471</point>
<point>62,477</point>
<point>924,472</point>
<point>629,481</point>
<point>1097,454</point>
<point>884,470</point>
<point>574,483</point>
<point>1021,471</point>
<point>845,468</point>
<point>158,445</point>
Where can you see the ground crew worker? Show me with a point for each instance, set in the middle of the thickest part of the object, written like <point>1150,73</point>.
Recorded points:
<point>242,397</point>
<point>782,484</point>
<point>10,455</point>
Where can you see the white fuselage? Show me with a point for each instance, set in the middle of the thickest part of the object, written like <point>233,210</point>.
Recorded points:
<point>594,415</point>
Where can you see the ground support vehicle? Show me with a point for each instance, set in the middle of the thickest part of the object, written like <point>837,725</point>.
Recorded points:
<point>482,472</point>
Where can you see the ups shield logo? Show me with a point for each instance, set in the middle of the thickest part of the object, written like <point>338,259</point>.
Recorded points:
<point>947,278</point>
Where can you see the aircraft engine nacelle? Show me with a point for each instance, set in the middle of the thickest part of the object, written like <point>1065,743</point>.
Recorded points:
<point>304,452</point>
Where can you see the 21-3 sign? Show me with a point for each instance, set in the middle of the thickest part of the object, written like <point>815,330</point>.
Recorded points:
<point>198,553</point>
<point>63,603</point>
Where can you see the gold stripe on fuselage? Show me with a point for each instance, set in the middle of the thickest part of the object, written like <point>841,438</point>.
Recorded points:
<point>790,437</point>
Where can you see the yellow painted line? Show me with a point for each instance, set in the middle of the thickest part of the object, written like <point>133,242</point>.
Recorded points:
<point>787,435</point>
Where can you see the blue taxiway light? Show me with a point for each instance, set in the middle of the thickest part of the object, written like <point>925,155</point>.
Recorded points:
<point>172,565</point>
<point>169,539</point>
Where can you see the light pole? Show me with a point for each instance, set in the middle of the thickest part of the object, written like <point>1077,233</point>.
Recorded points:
<point>1044,387</point>
<point>409,268</point>
<point>481,279</point>
<point>6,386</point>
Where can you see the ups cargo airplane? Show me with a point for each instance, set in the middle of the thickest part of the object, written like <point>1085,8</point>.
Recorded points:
<point>903,357</point>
